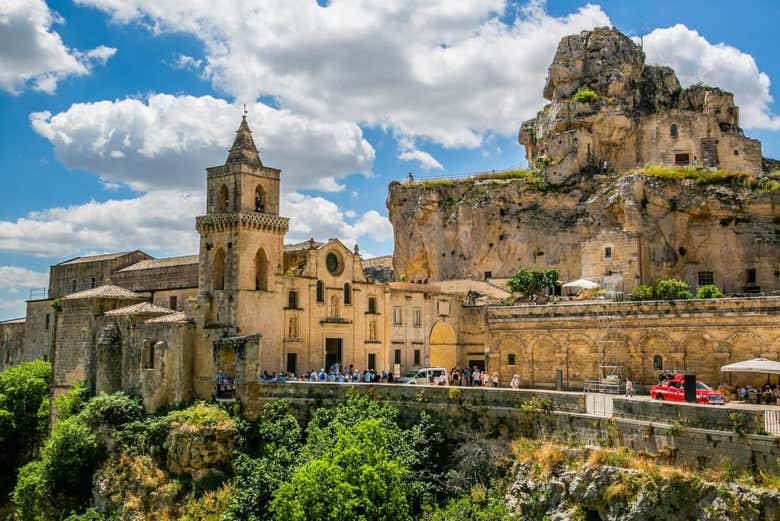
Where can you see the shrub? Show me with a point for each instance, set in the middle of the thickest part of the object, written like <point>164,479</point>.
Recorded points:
<point>72,402</point>
<point>585,95</point>
<point>672,289</point>
<point>201,415</point>
<point>643,292</point>
<point>112,410</point>
<point>709,291</point>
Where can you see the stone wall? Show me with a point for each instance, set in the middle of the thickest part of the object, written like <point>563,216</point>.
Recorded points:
<point>11,343</point>
<point>39,330</point>
<point>498,412</point>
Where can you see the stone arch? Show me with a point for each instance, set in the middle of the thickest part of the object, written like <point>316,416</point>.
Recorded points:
<point>260,200</point>
<point>700,357</point>
<point>581,361</point>
<point>443,345</point>
<point>218,269</point>
<point>223,198</point>
<point>512,359</point>
<point>544,360</point>
<point>261,270</point>
<point>744,345</point>
<point>652,346</point>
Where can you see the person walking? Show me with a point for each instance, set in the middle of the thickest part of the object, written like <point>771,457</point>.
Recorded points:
<point>495,379</point>
<point>515,383</point>
<point>629,389</point>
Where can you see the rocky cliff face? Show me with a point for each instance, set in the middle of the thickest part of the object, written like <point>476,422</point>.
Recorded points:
<point>655,227</point>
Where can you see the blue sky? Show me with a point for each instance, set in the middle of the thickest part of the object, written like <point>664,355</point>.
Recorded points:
<point>113,109</point>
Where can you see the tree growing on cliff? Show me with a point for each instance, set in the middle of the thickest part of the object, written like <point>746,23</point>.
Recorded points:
<point>532,282</point>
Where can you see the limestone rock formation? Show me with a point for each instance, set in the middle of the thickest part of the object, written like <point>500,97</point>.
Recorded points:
<point>609,108</point>
<point>610,493</point>
<point>654,228</point>
<point>200,451</point>
<point>632,179</point>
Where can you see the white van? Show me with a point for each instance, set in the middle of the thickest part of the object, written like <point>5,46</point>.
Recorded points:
<point>422,377</point>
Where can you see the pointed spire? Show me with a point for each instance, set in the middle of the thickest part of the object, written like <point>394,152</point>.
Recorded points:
<point>244,149</point>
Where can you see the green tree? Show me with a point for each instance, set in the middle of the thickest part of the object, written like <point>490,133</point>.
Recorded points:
<point>585,95</point>
<point>24,415</point>
<point>532,282</point>
<point>357,478</point>
<point>672,289</point>
<point>709,291</point>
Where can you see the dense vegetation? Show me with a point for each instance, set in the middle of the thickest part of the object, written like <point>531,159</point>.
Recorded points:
<point>105,459</point>
<point>532,282</point>
<point>674,289</point>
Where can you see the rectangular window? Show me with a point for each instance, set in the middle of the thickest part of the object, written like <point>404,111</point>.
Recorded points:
<point>292,300</point>
<point>705,277</point>
<point>488,275</point>
<point>73,285</point>
<point>371,362</point>
<point>608,252</point>
<point>397,356</point>
<point>47,321</point>
<point>92,283</point>
<point>173,302</point>
<point>372,304</point>
<point>682,159</point>
<point>417,317</point>
<point>510,359</point>
<point>397,316</point>
<point>416,357</point>
<point>751,276</point>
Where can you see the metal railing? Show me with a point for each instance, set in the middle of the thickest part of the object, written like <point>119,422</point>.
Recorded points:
<point>38,294</point>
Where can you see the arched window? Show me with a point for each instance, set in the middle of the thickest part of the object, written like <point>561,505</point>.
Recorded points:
<point>347,294</point>
<point>658,363</point>
<point>259,199</point>
<point>223,201</point>
<point>218,269</point>
<point>320,291</point>
<point>673,130</point>
<point>261,271</point>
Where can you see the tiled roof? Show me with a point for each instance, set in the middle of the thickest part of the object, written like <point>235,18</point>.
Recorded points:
<point>142,308</point>
<point>14,321</point>
<point>302,246</point>
<point>162,263</point>
<point>108,292</point>
<point>95,258</point>
<point>172,318</point>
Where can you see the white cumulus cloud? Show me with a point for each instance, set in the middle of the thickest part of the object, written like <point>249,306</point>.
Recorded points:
<point>697,60</point>
<point>448,71</point>
<point>14,278</point>
<point>166,142</point>
<point>32,53</point>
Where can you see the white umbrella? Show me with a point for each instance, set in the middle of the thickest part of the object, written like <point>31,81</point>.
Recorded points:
<point>582,284</point>
<point>756,365</point>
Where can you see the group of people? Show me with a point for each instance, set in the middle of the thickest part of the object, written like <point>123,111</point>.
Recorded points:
<point>334,374</point>
<point>768,394</point>
<point>469,378</point>
<point>225,385</point>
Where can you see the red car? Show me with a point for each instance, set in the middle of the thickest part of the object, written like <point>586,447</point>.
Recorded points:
<point>673,391</point>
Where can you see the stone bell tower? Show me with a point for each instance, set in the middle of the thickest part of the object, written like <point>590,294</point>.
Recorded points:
<point>241,239</point>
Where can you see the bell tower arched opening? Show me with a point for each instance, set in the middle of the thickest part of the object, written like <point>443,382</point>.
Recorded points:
<point>261,270</point>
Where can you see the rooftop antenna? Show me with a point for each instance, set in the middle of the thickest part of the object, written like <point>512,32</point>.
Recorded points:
<point>244,109</point>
